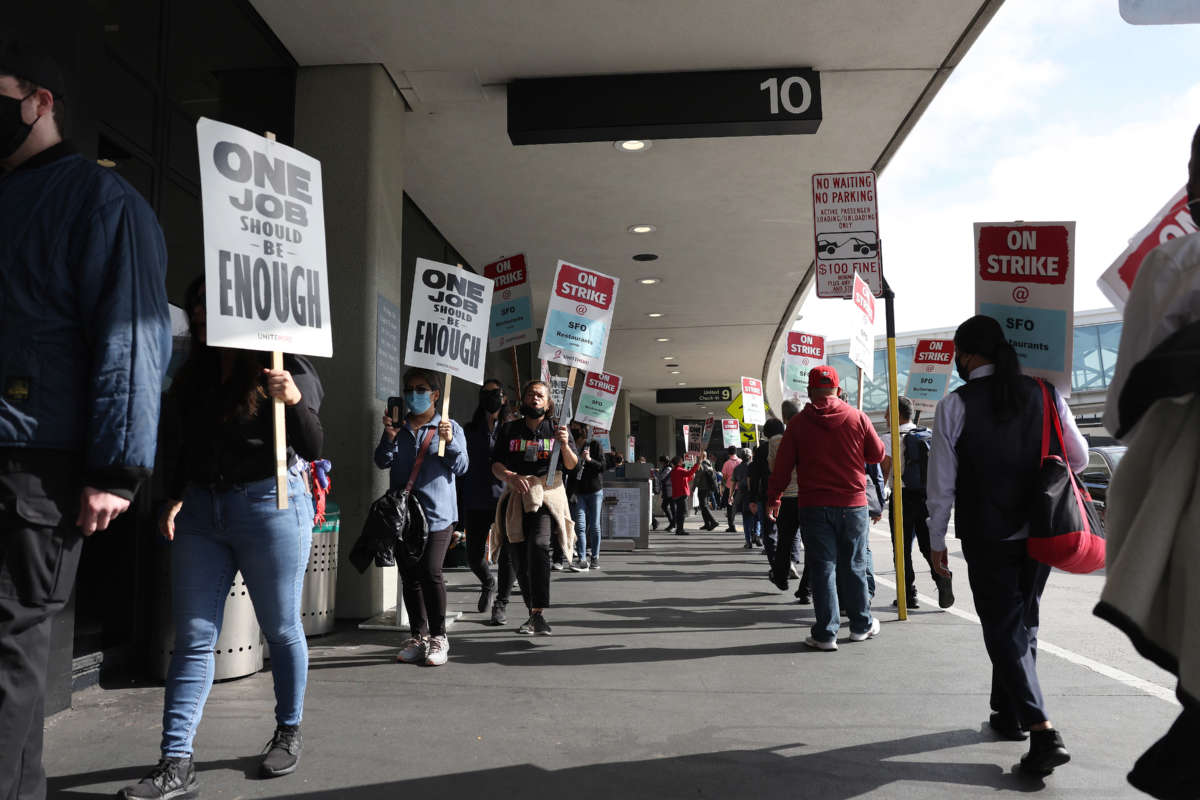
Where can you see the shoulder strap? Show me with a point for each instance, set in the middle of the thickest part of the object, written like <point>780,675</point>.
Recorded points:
<point>420,459</point>
<point>1050,418</point>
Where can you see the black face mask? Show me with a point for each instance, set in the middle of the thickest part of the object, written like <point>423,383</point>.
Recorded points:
<point>13,130</point>
<point>531,412</point>
<point>492,400</point>
<point>963,372</point>
<point>1193,207</point>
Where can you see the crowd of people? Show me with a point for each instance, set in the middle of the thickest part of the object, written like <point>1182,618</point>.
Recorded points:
<point>526,488</point>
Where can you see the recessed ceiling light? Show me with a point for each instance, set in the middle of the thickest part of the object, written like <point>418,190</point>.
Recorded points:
<point>674,372</point>
<point>646,257</point>
<point>668,358</point>
<point>663,339</point>
<point>681,383</point>
<point>655,314</point>
<point>632,145</point>
<point>641,229</point>
<point>648,281</point>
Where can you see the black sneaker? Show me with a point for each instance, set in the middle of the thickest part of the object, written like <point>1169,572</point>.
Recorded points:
<point>498,616</point>
<point>781,583</point>
<point>1007,727</point>
<point>1046,751</point>
<point>526,628</point>
<point>540,626</point>
<point>595,562</point>
<point>283,754</point>
<point>172,779</point>
<point>945,587</point>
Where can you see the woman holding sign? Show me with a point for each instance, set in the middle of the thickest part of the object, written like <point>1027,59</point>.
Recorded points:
<point>217,452</point>
<point>533,507</point>
<point>410,451</point>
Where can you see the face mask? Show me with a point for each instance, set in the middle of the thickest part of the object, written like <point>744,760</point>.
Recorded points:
<point>962,370</point>
<point>13,130</point>
<point>418,403</point>
<point>531,412</point>
<point>492,400</point>
<point>1193,206</point>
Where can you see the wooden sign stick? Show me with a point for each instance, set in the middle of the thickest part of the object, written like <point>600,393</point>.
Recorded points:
<point>516,372</point>
<point>445,413</point>
<point>281,465</point>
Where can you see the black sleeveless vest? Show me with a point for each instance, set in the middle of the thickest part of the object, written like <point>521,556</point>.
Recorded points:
<point>998,462</point>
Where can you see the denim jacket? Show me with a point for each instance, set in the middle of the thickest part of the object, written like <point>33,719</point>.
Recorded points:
<point>434,486</point>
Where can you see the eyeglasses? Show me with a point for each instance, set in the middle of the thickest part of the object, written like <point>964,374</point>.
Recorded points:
<point>418,389</point>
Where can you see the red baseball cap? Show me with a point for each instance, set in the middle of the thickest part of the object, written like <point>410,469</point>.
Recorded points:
<point>823,377</point>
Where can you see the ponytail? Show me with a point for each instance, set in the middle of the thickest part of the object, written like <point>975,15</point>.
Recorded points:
<point>981,335</point>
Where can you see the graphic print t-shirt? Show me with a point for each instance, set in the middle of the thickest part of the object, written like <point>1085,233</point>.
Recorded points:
<point>525,452</point>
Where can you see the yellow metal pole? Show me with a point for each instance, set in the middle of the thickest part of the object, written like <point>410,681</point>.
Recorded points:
<point>898,543</point>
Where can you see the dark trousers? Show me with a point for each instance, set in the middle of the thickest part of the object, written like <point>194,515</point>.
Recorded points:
<point>709,520</point>
<point>1007,585</point>
<point>787,531</point>
<point>730,512</point>
<point>668,507</point>
<point>915,527</point>
<point>39,555</point>
<point>425,588</point>
<point>768,530</point>
<point>479,521</point>
<point>679,509</point>
<point>531,558</point>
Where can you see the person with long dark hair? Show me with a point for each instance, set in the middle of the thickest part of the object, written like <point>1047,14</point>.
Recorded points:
<point>531,511</point>
<point>413,445</point>
<point>479,491</point>
<point>984,462</point>
<point>218,456</point>
<point>588,485</point>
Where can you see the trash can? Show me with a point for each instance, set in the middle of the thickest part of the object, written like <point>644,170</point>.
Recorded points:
<point>239,648</point>
<point>320,578</point>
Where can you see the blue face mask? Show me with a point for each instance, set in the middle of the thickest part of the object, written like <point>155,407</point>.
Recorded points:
<point>418,403</point>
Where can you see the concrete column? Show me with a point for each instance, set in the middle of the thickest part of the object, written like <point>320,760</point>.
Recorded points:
<point>352,119</point>
<point>664,431</point>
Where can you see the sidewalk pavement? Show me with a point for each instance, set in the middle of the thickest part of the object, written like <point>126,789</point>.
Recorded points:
<point>677,672</point>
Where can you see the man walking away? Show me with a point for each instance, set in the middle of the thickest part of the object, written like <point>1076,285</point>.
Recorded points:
<point>835,440</point>
<point>84,344</point>
<point>706,485</point>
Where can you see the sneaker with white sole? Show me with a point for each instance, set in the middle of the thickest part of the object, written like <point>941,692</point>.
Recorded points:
<point>438,651</point>
<point>526,628</point>
<point>828,647</point>
<point>869,633</point>
<point>578,566</point>
<point>413,650</point>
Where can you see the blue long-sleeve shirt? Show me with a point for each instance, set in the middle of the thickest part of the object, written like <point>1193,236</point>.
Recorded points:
<point>434,486</point>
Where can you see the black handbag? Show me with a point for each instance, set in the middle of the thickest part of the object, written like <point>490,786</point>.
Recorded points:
<point>395,527</point>
<point>1064,531</point>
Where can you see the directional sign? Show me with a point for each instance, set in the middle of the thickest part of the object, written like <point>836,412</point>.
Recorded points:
<point>929,375</point>
<point>846,231</point>
<point>862,339</point>
<point>699,394</point>
<point>1025,280</point>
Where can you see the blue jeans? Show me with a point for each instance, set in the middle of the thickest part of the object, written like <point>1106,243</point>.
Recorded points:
<point>749,524</point>
<point>587,519</point>
<point>836,542</point>
<point>216,534</point>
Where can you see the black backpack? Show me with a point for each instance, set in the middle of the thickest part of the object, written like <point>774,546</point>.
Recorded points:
<point>917,444</point>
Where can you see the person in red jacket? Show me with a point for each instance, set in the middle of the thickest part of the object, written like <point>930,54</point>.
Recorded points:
<point>836,440</point>
<point>681,490</point>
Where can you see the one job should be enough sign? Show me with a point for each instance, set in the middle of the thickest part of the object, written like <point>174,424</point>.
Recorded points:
<point>448,321</point>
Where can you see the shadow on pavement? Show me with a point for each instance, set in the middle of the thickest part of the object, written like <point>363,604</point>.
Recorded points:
<point>63,785</point>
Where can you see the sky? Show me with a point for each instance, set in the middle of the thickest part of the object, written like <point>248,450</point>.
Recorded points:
<point>1060,111</point>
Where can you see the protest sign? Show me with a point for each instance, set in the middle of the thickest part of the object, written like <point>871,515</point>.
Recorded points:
<point>266,281</point>
<point>731,432</point>
<point>754,411</point>
<point>602,438</point>
<point>579,318</point>
<point>804,351</point>
<point>512,303</point>
<point>929,375</point>
<point>862,336</point>
<point>846,232</point>
<point>448,320</point>
<point>598,399</point>
<point>631,450</point>
<point>1025,280</point>
<point>706,433</point>
<point>1172,220</point>
<point>686,435</point>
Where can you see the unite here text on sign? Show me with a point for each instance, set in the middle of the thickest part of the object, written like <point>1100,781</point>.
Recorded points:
<point>265,277</point>
<point>846,232</point>
<point>512,303</point>
<point>804,351</point>
<point>1025,280</point>
<point>579,318</point>
<point>929,375</point>
<point>448,320</point>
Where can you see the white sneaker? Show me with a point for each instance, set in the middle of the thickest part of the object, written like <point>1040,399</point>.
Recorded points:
<point>828,647</point>
<point>437,652</point>
<point>869,633</point>
<point>413,650</point>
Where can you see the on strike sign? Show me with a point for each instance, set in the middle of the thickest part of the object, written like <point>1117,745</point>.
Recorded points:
<point>265,279</point>
<point>731,432</point>
<point>512,303</point>
<point>598,400</point>
<point>1025,281</point>
<point>579,317</point>
<point>846,231</point>
<point>1172,221</point>
<point>804,351</point>
<point>862,339</point>
<point>448,320</point>
<point>754,411</point>
<point>929,375</point>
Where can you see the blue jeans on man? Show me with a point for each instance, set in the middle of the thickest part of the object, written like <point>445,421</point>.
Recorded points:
<point>835,539</point>
<point>587,523</point>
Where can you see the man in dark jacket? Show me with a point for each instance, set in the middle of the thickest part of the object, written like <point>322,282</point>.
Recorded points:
<point>836,440</point>
<point>84,343</point>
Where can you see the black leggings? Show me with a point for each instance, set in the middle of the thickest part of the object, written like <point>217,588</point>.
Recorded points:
<point>425,589</point>
<point>531,558</point>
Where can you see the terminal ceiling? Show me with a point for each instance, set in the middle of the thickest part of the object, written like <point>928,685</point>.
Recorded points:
<point>732,215</point>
